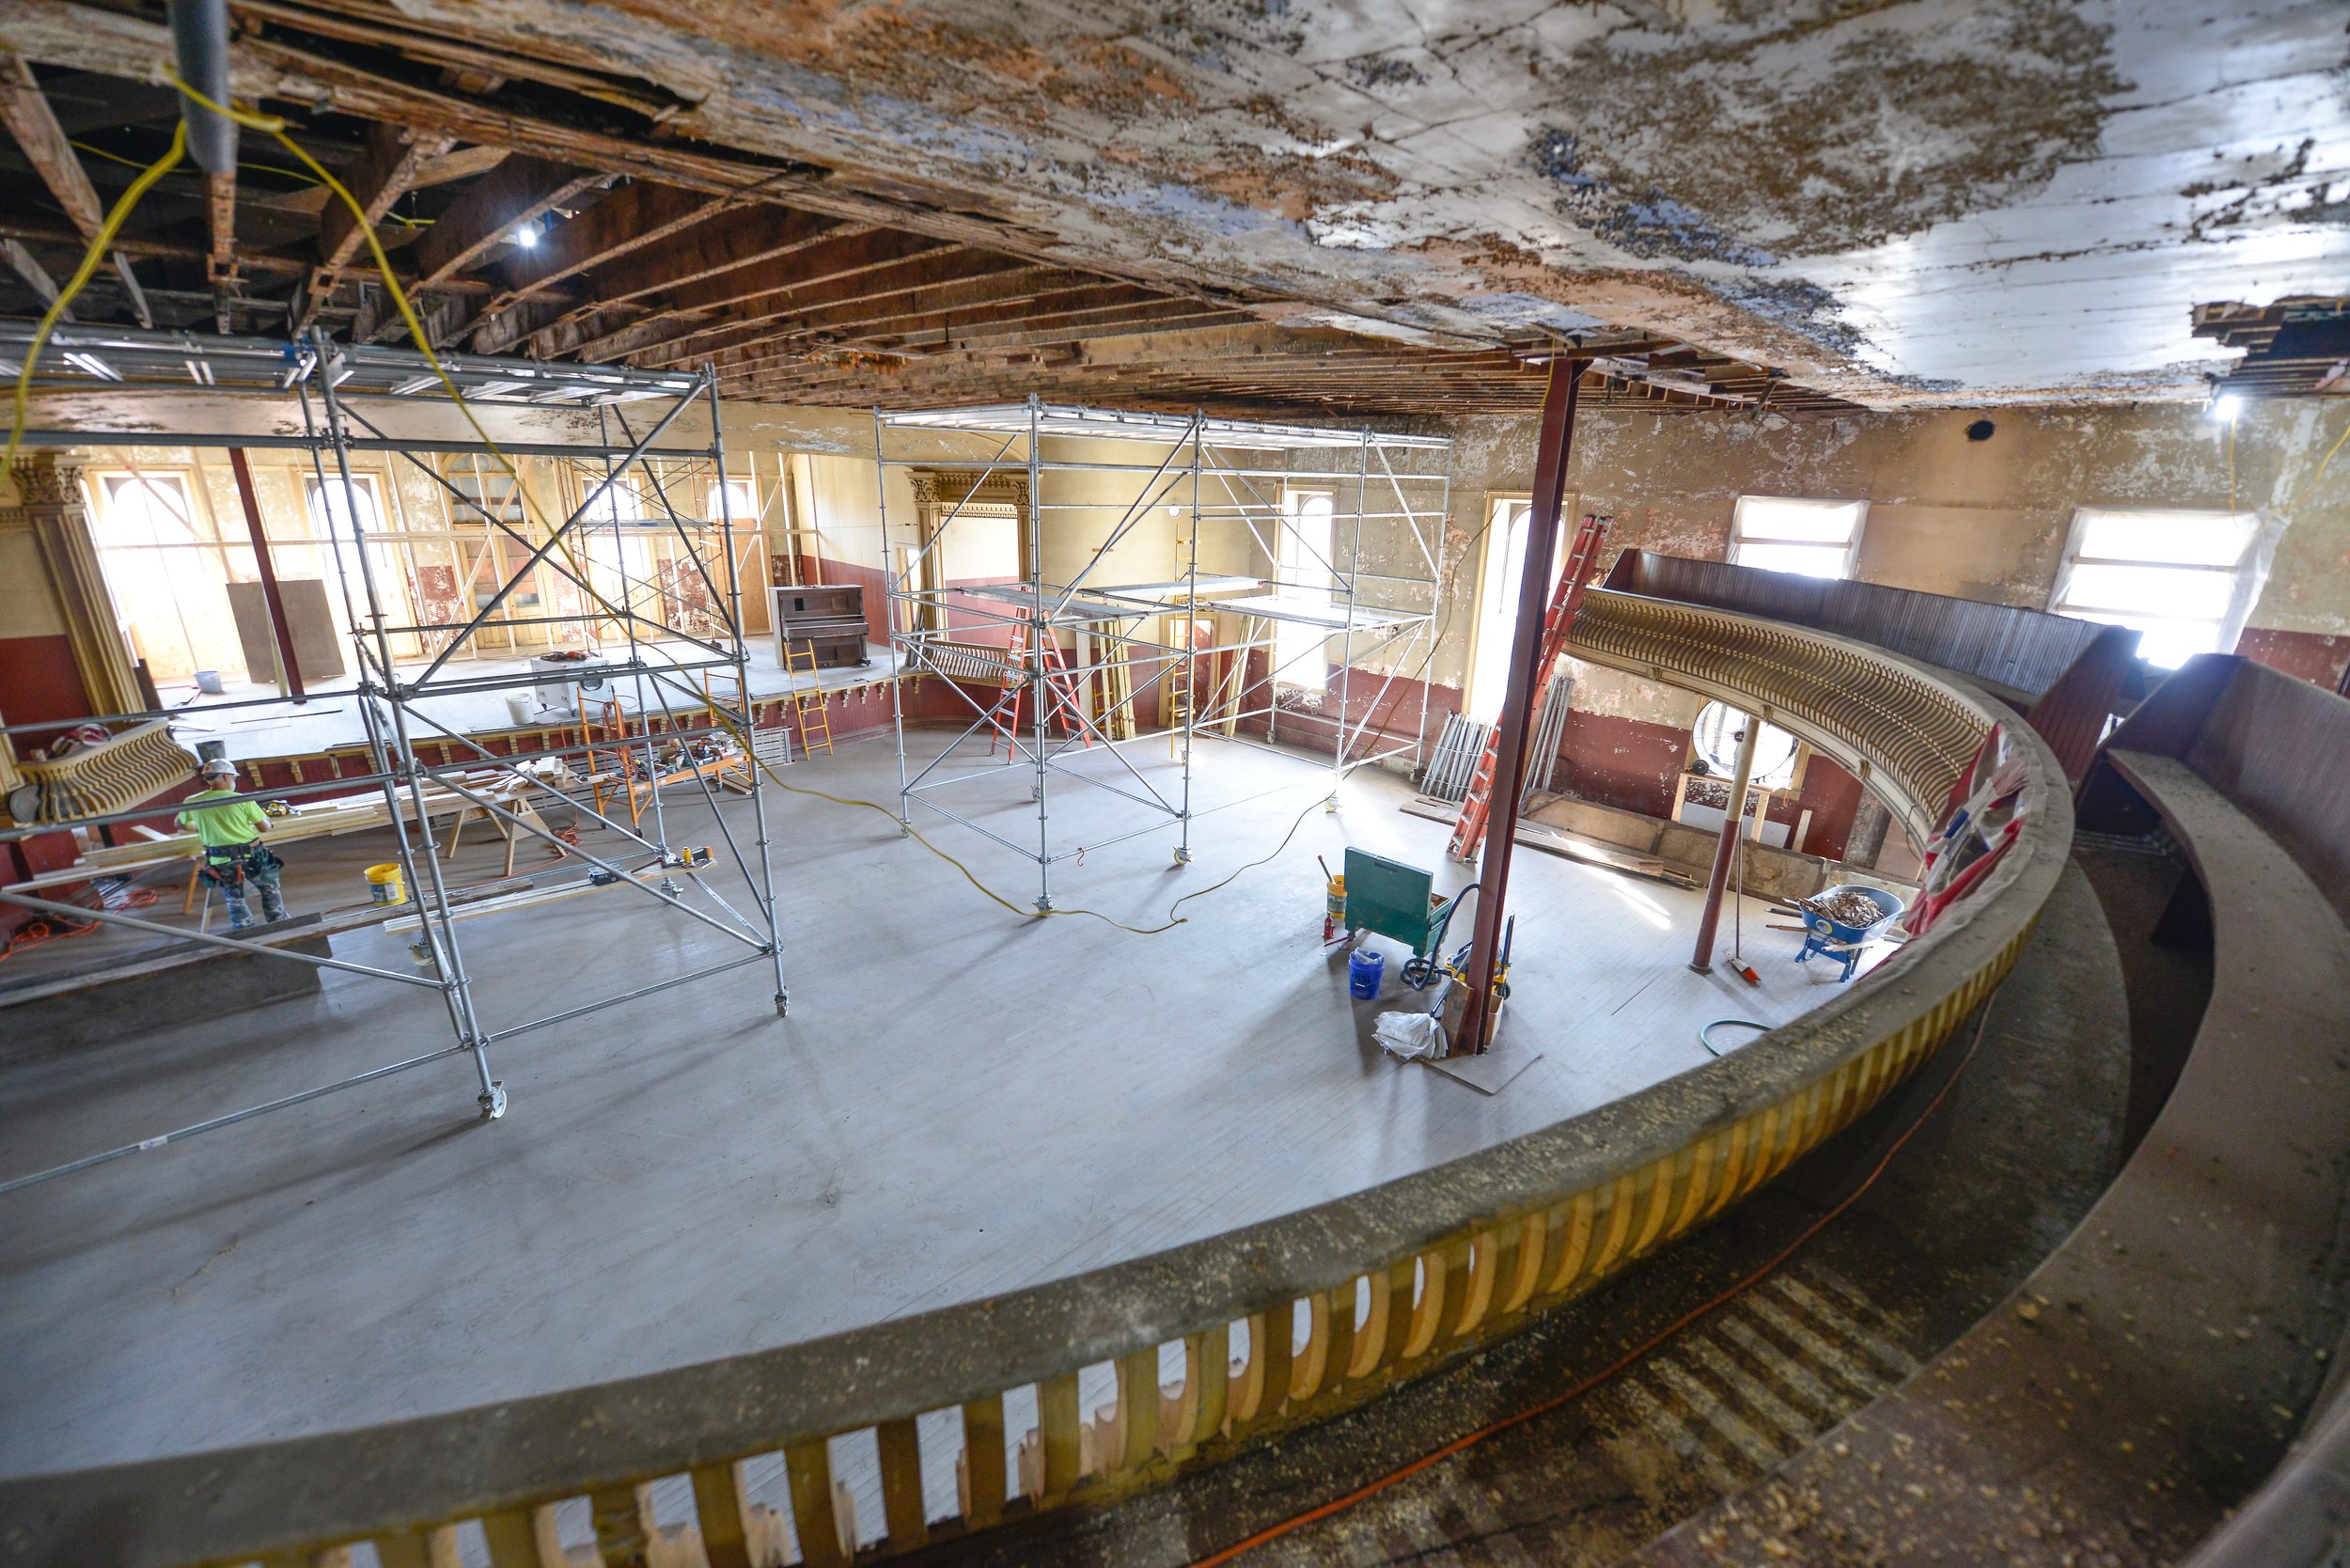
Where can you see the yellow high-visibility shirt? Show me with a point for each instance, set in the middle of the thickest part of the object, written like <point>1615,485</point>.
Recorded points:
<point>224,826</point>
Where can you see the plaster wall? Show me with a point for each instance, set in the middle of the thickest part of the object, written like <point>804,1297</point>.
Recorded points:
<point>1984,520</point>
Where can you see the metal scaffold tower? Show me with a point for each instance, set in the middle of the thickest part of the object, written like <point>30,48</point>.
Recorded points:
<point>1297,558</point>
<point>669,645</point>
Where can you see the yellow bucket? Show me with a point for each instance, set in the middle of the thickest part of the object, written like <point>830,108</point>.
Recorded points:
<point>383,884</point>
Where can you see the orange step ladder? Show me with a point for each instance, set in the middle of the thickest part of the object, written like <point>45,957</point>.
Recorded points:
<point>1468,831</point>
<point>1061,691</point>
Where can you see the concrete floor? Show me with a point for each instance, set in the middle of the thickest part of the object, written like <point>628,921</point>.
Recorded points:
<point>962,1102</point>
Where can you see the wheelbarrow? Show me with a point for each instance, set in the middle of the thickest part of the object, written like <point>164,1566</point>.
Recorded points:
<point>1822,933</point>
<point>1397,900</point>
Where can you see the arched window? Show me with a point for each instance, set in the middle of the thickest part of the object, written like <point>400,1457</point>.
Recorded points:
<point>1715,741</point>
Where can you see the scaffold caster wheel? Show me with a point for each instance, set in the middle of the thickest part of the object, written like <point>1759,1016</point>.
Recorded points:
<point>493,1100</point>
<point>783,1004</point>
<point>1182,854</point>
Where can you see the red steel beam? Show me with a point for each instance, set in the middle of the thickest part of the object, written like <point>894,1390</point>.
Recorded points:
<point>1556,442</point>
<point>278,629</point>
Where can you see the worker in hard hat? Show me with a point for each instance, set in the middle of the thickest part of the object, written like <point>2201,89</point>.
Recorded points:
<point>234,855</point>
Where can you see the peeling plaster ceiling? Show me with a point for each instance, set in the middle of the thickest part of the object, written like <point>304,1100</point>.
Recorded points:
<point>1908,202</point>
<point>1903,201</point>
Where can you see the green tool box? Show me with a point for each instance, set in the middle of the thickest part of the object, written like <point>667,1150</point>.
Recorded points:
<point>1395,900</point>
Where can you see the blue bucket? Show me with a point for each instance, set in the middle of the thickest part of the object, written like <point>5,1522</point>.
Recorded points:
<point>1364,971</point>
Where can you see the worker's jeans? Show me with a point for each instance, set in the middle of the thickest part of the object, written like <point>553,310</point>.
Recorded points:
<point>265,880</point>
<point>273,906</point>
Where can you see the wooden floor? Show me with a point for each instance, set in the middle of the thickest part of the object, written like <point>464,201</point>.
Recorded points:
<point>961,1101</point>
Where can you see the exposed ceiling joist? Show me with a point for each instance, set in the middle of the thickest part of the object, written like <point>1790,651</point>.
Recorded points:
<point>515,191</point>
<point>49,150</point>
<point>386,170</point>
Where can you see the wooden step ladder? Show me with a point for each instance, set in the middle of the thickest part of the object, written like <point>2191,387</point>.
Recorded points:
<point>809,699</point>
<point>1468,831</point>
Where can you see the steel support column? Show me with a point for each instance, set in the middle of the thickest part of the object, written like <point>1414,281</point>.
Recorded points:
<point>281,633</point>
<point>1726,849</point>
<point>1555,442</point>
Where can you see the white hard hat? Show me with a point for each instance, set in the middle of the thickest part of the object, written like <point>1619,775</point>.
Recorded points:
<point>215,766</point>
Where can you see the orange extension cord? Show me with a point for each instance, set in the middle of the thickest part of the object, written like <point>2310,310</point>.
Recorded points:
<point>1339,1505</point>
<point>53,928</point>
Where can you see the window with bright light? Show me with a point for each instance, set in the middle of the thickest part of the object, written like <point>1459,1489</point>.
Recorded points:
<point>1303,579</point>
<point>164,571</point>
<point>1508,527</point>
<point>732,502</point>
<point>2177,578</point>
<point>1782,533</point>
<point>331,509</point>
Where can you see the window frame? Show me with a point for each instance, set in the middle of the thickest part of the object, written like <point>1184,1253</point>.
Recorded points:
<point>1300,655</point>
<point>2244,575</point>
<point>1493,563</point>
<point>1859,508</point>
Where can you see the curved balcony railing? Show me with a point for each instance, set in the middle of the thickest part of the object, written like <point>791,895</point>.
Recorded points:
<point>1394,1280</point>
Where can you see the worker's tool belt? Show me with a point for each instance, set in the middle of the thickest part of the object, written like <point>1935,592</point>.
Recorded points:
<point>228,865</point>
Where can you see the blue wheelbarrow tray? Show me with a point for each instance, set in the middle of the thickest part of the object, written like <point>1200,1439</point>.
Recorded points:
<point>1824,934</point>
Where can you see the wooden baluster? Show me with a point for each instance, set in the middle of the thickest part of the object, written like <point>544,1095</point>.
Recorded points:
<point>624,1528</point>
<point>1493,1257</point>
<point>547,1538</point>
<point>1371,1339</point>
<point>435,1548</point>
<point>1761,1150</point>
<point>809,1468</point>
<point>403,1551</point>
<point>1403,1283</point>
<point>1138,1403</point>
<point>1444,1285</point>
<point>1207,1368</point>
<point>1058,1420</point>
<point>1309,1373</point>
<point>1516,1286</point>
<point>983,1459</point>
<point>1620,1207</point>
<point>1659,1199</point>
<point>513,1541</point>
<point>718,1503</point>
<point>902,1511</point>
<point>1741,1140</point>
<point>1272,1349</point>
<point>1700,1182</point>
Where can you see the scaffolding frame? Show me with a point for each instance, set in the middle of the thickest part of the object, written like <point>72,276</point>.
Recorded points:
<point>316,374</point>
<point>1251,470</point>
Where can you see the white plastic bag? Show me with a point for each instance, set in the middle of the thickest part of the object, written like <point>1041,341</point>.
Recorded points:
<point>1407,1036</point>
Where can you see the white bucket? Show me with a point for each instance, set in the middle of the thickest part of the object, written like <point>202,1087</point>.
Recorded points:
<point>208,682</point>
<point>520,706</point>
